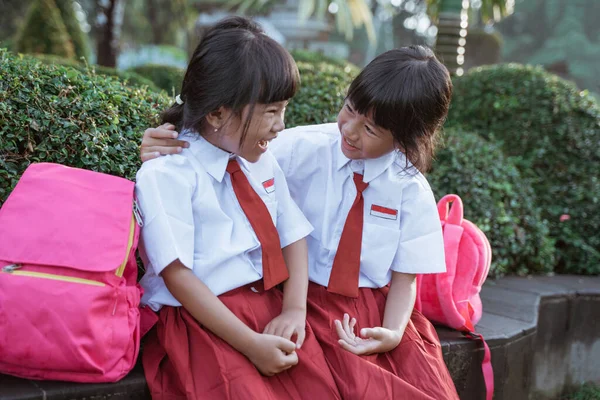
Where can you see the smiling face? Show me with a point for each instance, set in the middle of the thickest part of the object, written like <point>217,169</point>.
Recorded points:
<point>361,138</point>
<point>265,123</point>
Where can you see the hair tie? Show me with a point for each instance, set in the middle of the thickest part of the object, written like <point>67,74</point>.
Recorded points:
<point>178,100</point>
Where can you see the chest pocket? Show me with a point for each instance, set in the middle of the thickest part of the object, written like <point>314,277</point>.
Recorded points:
<point>379,247</point>
<point>267,194</point>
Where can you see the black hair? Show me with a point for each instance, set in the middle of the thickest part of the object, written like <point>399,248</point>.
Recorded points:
<point>406,91</point>
<point>234,65</point>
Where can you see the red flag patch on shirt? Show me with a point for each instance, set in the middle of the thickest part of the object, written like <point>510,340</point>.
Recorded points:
<point>384,212</point>
<point>269,185</point>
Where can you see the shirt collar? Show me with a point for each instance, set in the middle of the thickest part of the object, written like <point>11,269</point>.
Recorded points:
<point>213,159</point>
<point>373,166</point>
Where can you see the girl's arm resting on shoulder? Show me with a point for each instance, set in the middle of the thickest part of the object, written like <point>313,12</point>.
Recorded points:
<point>160,141</point>
<point>270,354</point>
<point>398,309</point>
<point>292,320</point>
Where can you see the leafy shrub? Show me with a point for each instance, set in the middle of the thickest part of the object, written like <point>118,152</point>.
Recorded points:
<point>552,132</point>
<point>587,391</point>
<point>496,199</point>
<point>44,31</point>
<point>322,90</point>
<point>314,57</point>
<point>78,38</point>
<point>165,77</point>
<point>52,113</point>
<point>129,78</point>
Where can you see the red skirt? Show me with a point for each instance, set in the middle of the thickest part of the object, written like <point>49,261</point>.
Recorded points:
<point>414,370</point>
<point>183,360</point>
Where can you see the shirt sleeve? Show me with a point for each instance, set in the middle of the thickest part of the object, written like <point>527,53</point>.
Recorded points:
<point>421,245</point>
<point>283,149</point>
<point>164,189</point>
<point>292,225</point>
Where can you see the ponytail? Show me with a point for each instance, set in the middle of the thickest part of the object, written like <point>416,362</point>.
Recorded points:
<point>173,115</point>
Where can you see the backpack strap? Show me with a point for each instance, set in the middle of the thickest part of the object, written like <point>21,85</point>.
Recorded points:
<point>486,364</point>
<point>452,219</point>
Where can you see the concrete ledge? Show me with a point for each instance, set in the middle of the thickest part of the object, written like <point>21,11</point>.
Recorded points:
<point>543,332</point>
<point>544,335</point>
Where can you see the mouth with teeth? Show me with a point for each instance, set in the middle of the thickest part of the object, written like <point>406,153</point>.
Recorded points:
<point>348,145</point>
<point>263,144</point>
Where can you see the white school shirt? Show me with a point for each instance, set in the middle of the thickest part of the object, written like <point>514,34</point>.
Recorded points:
<point>401,229</point>
<point>191,213</point>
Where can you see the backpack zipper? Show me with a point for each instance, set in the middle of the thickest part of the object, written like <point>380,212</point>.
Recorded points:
<point>134,218</point>
<point>13,269</point>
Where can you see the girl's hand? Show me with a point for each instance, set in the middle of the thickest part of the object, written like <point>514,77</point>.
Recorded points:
<point>372,340</point>
<point>271,354</point>
<point>288,324</point>
<point>160,141</point>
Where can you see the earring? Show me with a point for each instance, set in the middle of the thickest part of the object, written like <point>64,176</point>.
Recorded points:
<point>216,129</point>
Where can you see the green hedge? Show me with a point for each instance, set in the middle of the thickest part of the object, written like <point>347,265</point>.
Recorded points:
<point>587,391</point>
<point>56,110</point>
<point>165,77</point>
<point>52,113</point>
<point>129,78</point>
<point>552,132</point>
<point>315,58</point>
<point>322,90</point>
<point>496,199</point>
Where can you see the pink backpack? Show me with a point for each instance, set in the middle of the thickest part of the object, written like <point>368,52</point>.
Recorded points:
<point>68,292</point>
<point>452,298</point>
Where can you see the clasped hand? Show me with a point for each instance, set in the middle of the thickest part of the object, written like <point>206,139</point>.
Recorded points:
<point>273,351</point>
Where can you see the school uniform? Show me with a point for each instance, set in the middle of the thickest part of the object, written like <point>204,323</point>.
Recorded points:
<point>193,211</point>
<point>399,231</point>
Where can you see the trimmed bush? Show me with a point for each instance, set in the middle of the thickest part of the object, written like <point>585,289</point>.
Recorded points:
<point>322,91</point>
<point>313,57</point>
<point>552,132</point>
<point>52,113</point>
<point>44,31</point>
<point>128,78</point>
<point>496,199</point>
<point>78,38</point>
<point>165,77</point>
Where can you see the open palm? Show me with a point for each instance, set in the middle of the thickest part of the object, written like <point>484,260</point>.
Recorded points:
<point>370,341</point>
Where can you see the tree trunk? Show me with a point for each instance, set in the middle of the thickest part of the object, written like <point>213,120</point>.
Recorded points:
<point>109,20</point>
<point>155,24</point>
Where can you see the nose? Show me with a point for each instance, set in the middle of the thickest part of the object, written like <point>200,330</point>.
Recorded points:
<point>350,132</point>
<point>279,124</point>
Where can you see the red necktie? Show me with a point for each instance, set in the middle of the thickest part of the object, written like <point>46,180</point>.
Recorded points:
<point>274,268</point>
<point>346,264</point>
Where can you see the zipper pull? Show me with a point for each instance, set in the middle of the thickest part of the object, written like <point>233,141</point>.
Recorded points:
<point>10,268</point>
<point>138,214</point>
